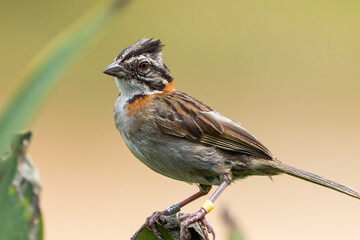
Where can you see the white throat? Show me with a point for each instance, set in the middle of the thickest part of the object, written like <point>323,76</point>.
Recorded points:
<point>130,88</point>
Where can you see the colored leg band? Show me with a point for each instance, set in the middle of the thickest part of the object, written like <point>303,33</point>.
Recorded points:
<point>208,206</point>
<point>173,209</point>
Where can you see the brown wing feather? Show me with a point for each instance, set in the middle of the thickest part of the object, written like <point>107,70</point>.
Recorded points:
<point>184,116</point>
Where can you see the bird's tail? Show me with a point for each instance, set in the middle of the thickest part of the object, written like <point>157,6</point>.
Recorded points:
<point>311,177</point>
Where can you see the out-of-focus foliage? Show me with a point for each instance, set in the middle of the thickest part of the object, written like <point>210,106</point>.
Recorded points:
<point>235,234</point>
<point>20,216</point>
<point>50,64</point>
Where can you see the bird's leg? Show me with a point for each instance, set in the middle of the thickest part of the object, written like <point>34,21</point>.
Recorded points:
<point>151,220</point>
<point>187,219</point>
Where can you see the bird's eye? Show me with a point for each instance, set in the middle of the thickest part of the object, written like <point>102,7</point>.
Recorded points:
<point>144,65</point>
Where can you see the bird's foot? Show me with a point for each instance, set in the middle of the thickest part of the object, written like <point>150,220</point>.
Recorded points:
<point>153,219</point>
<point>189,218</point>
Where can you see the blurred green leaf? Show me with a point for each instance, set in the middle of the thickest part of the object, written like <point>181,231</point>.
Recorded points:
<point>20,216</point>
<point>236,235</point>
<point>50,64</point>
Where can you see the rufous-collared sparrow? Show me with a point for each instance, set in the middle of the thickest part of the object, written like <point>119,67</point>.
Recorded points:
<point>180,137</point>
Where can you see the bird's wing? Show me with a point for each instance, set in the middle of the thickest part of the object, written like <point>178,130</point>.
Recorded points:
<point>181,115</point>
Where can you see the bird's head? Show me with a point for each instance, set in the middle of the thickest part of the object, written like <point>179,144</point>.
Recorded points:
<point>139,69</point>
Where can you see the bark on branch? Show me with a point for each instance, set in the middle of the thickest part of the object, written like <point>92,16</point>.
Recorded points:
<point>170,230</point>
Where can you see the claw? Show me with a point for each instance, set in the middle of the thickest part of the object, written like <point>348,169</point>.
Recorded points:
<point>151,221</point>
<point>208,227</point>
<point>156,232</point>
<point>187,219</point>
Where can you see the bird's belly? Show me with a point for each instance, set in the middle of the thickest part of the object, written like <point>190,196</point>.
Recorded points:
<point>175,157</point>
<point>178,160</point>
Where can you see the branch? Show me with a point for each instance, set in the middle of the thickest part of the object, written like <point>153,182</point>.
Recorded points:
<point>170,230</point>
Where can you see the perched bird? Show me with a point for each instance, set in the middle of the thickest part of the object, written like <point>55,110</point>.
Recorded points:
<point>180,137</point>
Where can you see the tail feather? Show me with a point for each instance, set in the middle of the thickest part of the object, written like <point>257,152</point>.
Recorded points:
<point>312,178</point>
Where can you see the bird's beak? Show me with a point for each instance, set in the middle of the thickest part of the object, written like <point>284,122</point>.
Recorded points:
<point>115,70</point>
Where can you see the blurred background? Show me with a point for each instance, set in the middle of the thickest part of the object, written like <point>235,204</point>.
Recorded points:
<point>287,70</point>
